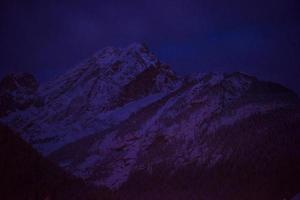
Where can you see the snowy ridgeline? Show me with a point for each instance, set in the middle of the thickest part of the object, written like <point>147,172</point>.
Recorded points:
<point>114,107</point>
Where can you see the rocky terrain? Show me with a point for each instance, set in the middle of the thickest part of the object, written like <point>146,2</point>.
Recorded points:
<point>124,120</point>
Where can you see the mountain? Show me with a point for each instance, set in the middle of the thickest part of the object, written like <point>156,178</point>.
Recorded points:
<point>94,96</point>
<point>123,119</point>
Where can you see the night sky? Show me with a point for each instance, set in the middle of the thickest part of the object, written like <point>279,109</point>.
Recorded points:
<point>260,37</point>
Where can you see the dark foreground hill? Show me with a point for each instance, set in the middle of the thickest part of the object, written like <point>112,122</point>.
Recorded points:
<point>26,175</point>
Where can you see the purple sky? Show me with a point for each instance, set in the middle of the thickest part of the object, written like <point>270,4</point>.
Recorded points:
<point>260,37</point>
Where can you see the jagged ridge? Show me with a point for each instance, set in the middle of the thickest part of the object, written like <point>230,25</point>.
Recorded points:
<point>124,111</point>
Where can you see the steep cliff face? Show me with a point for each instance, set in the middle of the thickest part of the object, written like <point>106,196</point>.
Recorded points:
<point>124,116</point>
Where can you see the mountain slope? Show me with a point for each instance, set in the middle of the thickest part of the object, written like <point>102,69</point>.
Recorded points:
<point>123,117</point>
<point>257,158</point>
<point>180,119</point>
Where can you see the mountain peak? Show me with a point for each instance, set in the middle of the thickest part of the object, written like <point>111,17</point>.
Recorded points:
<point>135,54</point>
<point>138,47</point>
<point>131,48</point>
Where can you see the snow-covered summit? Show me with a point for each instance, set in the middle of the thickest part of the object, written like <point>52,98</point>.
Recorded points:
<point>86,98</point>
<point>102,77</point>
<point>135,52</point>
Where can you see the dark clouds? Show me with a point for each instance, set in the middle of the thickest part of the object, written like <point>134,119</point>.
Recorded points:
<point>258,37</point>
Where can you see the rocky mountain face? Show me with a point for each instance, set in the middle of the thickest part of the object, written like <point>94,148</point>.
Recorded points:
<point>124,120</point>
<point>256,158</point>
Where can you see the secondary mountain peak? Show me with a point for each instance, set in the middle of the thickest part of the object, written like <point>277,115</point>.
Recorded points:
<point>15,81</point>
<point>18,92</point>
